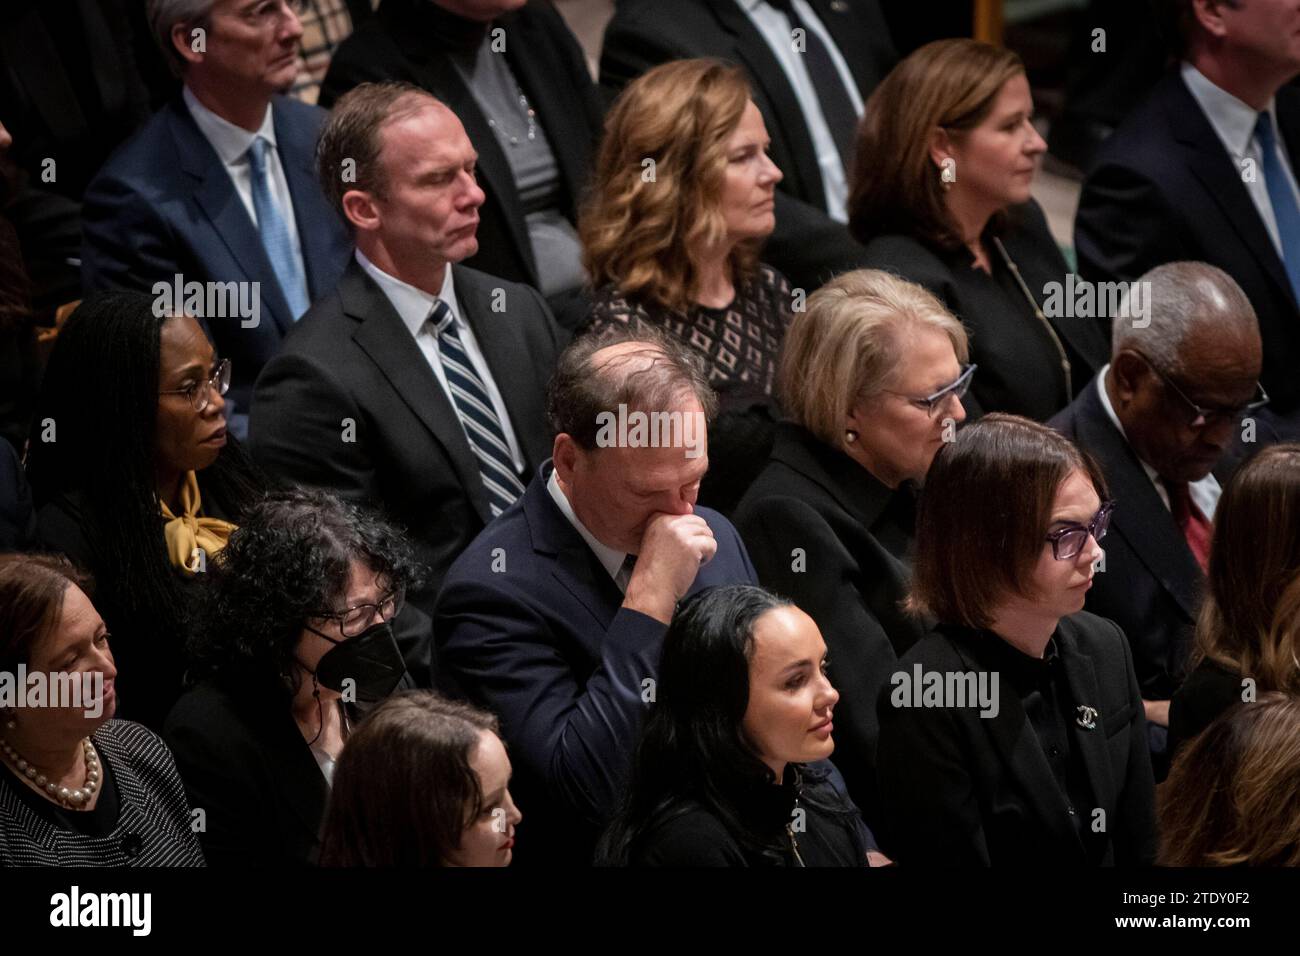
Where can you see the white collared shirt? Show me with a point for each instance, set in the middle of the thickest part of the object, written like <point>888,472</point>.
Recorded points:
<point>231,143</point>
<point>775,28</point>
<point>1204,493</point>
<point>413,306</point>
<point>611,559</point>
<point>1234,122</point>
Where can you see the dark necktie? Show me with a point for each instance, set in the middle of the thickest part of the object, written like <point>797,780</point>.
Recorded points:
<point>487,438</point>
<point>837,107</point>
<point>1191,522</point>
<point>1282,198</point>
<point>624,576</point>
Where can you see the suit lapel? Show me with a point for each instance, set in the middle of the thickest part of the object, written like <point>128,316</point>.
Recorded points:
<point>1082,679</point>
<point>501,345</point>
<point>849,32</point>
<point>310,209</point>
<point>386,340</point>
<point>231,226</point>
<point>1016,743</point>
<point>768,75</point>
<point>1141,518</point>
<point>1212,165</point>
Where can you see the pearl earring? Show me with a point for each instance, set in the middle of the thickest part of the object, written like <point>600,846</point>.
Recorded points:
<point>850,436</point>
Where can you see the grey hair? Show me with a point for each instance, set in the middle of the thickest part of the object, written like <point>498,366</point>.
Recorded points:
<point>1181,296</point>
<point>165,14</point>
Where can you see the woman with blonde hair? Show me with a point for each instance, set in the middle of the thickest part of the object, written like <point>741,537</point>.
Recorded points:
<point>1233,793</point>
<point>872,377</point>
<point>682,202</point>
<point>941,194</point>
<point>1248,634</point>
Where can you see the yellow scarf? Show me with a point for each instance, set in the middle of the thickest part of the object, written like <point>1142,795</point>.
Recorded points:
<point>190,533</point>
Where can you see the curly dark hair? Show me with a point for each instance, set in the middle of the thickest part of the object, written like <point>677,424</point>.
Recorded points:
<point>287,562</point>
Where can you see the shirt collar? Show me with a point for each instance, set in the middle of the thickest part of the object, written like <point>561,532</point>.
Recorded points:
<point>1114,419</point>
<point>1232,119</point>
<point>610,559</point>
<point>413,305</point>
<point>230,141</point>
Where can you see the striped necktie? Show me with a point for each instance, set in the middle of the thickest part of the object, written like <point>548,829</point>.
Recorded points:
<point>274,232</point>
<point>487,439</point>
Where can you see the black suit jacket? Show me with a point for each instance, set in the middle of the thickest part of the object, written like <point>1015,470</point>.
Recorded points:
<point>808,246</point>
<point>1209,691</point>
<point>351,359</point>
<point>17,517</point>
<point>1019,367</point>
<point>813,523</point>
<point>247,767</point>
<point>164,205</point>
<point>401,43</point>
<point>1151,585</point>
<point>965,790</point>
<point>530,625</point>
<point>1164,189</point>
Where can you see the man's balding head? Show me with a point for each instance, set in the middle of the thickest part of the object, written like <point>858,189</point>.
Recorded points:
<point>1202,341</point>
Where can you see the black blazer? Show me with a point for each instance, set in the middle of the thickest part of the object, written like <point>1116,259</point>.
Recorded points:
<point>401,42</point>
<point>1151,585</point>
<point>351,359</point>
<point>164,205</point>
<point>248,768</point>
<point>807,246</point>
<point>965,790</point>
<point>530,625</point>
<point>1019,366</point>
<point>811,522</point>
<point>17,519</point>
<point>1209,690</point>
<point>1163,189</point>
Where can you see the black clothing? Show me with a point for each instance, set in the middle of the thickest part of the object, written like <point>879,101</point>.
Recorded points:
<point>1209,690</point>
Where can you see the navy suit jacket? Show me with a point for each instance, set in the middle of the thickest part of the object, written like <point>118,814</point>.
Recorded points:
<point>1163,189</point>
<point>164,205</point>
<point>531,625</point>
<point>1151,585</point>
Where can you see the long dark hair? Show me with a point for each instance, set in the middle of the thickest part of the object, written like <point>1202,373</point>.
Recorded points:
<point>287,562</point>
<point>100,397</point>
<point>404,790</point>
<point>693,747</point>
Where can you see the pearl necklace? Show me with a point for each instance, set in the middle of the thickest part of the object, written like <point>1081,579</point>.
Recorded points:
<point>74,798</point>
<point>528,112</point>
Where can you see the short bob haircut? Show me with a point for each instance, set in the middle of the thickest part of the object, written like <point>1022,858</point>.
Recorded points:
<point>404,791</point>
<point>844,348</point>
<point>1250,619</point>
<point>984,515</point>
<point>895,187</point>
<point>32,590</point>
<point>580,390</point>
<point>1233,793</point>
<point>641,231</point>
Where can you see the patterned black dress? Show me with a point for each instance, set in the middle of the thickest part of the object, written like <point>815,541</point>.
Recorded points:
<point>740,345</point>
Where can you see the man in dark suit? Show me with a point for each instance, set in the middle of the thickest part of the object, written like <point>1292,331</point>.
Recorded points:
<point>1160,420</point>
<point>1197,173</point>
<point>517,79</point>
<point>555,616</point>
<point>218,187</point>
<point>811,64</point>
<point>416,386</point>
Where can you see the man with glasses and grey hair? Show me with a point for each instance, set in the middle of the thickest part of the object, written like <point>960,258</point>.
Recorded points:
<point>1163,419</point>
<point>219,186</point>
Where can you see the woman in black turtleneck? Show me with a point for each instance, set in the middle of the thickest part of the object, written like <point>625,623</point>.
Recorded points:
<point>517,79</point>
<point>731,769</point>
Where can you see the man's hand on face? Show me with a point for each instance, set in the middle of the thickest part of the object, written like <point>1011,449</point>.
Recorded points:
<point>673,549</point>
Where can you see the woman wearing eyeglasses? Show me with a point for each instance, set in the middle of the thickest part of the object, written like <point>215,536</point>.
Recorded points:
<point>1014,733</point>
<point>135,479</point>
<point>872,377</point>
<point>295,637</point>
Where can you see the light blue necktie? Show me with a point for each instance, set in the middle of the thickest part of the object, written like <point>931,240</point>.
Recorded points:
<point>1282,198</point>
<point>274,232</point>
<point>487,439</point>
